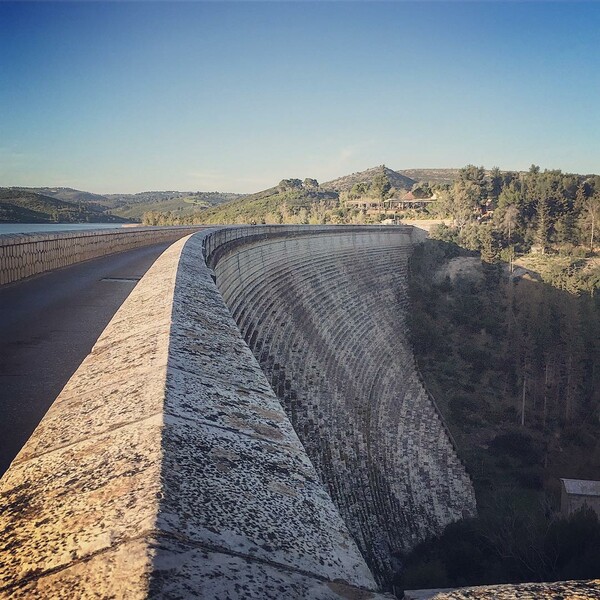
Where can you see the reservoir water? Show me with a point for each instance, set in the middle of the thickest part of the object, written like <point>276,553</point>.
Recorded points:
<point>54,227</point>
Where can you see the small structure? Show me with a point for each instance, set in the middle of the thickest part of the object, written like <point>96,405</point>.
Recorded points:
<point>409,200</point>
<point>576,493</point>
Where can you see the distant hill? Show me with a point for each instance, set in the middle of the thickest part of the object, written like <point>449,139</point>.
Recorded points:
<point>69,195</point>
<point>431,175</point>
<point>133,206</point>
<point>344,184</point>
<point>24,206</point>
<point>290,197</point>
<point>46,204</point>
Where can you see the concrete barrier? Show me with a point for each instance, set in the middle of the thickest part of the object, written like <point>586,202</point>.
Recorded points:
<point>27,254</point>
<point>168,468</point>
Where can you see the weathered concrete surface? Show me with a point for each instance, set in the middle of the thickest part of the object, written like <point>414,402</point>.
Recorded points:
<point>558,590</point>
<point>48,325</point>
<point>168,468</point>
<point>25,254</point>
<point>325,316</point>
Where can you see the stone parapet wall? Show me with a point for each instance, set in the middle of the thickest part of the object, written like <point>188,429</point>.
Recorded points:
<point>167,467</point>
<point>24,255</point>
<point>556,590</point>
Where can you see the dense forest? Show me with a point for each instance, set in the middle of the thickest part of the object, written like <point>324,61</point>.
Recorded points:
<point>505,324</point>
<point>505,214</point>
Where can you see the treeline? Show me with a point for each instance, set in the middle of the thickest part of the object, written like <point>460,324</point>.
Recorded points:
<point>502,213</point>
<point>24,206</point>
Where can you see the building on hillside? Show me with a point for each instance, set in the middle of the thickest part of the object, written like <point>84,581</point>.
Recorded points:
<point>364,203</point>
<point>409,200</point>
<point>576,493</point>
<point>396,203</point>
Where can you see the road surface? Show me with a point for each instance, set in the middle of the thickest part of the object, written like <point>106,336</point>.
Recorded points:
<point>48,325</point>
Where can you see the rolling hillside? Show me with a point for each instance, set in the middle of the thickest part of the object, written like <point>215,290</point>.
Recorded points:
<point>24,206</point>
<point>68,205</point>
<point>431,175</point>
<point>272,205</point>
<point>133,206</point>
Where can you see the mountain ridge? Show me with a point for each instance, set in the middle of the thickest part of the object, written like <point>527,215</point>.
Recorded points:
<point>346,182</point>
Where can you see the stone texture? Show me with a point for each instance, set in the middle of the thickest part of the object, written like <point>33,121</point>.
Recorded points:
<point>325,316</point>
<point>558,590</point>
<point>168,468</point>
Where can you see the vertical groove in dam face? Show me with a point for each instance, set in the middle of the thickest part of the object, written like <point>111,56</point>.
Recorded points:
<point>324,314</point>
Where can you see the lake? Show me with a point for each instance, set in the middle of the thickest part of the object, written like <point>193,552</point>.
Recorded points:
<point>54,227</point>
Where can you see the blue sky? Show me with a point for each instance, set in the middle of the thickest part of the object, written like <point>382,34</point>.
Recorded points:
<point>124,97</point>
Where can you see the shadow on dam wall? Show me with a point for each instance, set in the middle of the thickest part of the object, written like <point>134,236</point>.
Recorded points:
<point>324,315</point>
<point>168,467</point>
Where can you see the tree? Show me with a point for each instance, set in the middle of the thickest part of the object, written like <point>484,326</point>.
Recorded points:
<point>510,220</point>
<point>494,186</point>
<point>543,225</point>
<point>359,190</point>
<point>591,218</point>
<point>465,200</point>
<point>472,174</point>
<point>488,243</point>
<point>380,186</point>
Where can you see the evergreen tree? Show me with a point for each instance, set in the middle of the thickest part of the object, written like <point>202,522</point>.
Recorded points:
<point>543,225</point>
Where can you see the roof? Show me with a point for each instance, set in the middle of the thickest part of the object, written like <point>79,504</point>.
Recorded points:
<point>581,487</point>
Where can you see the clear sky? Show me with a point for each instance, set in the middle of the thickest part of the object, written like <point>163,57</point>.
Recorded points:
<point>125,97</point>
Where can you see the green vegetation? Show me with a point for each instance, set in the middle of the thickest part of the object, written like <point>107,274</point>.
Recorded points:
<point>396,180</point>
<point>508,357</point>
<point>292,201</point>
<point>496,212</point>
<point>66,205</point>
<point>297,201</point>
<point>505,325</point>
<point>508,545</point>
<point>172,205</point>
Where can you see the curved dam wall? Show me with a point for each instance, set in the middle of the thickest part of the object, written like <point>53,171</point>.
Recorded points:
<point>167,467</point>
<point>324,314</point>
<point>27,254</point>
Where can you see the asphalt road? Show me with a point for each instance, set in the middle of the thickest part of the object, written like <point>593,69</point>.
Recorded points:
<point>48,325</point>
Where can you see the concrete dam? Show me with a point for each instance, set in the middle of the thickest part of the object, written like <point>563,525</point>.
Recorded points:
<point>251,424</point>
<point>325,317</point>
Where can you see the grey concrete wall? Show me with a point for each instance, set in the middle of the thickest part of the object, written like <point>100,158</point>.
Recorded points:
<point>168,468</point>
<point>24,255</point>
<point>325,316</point>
